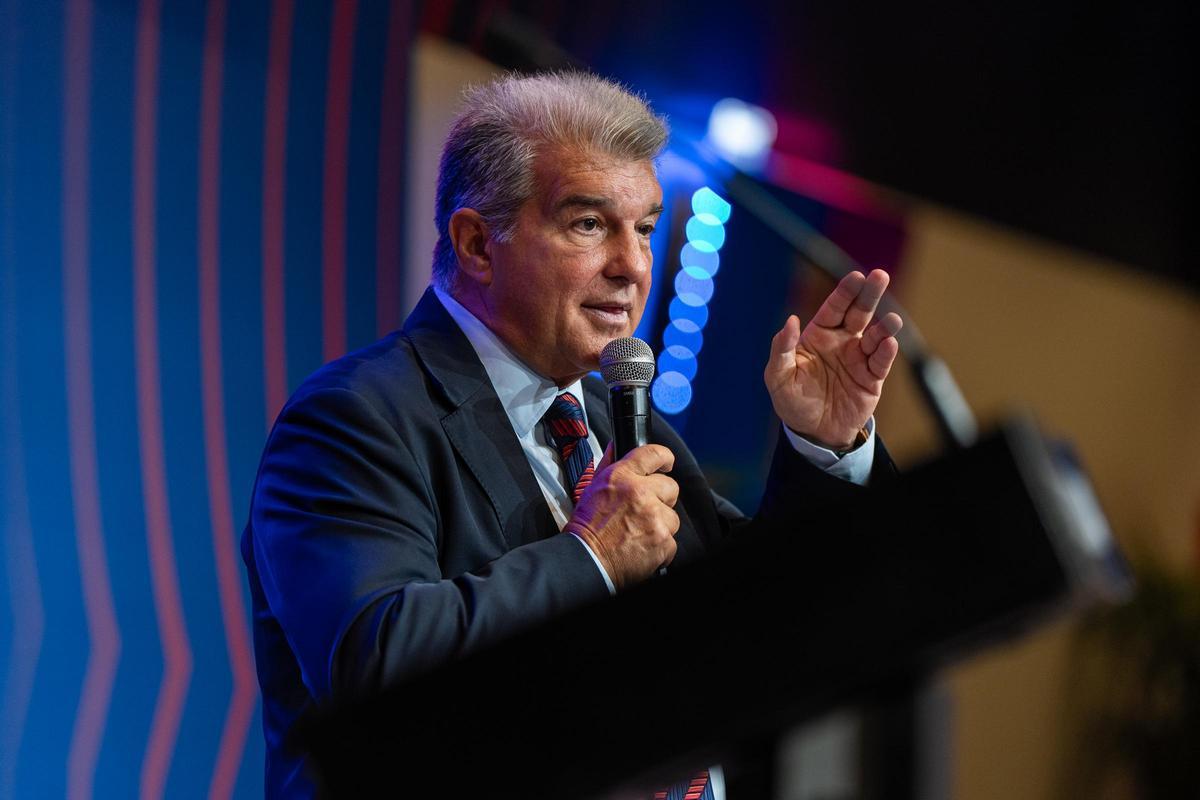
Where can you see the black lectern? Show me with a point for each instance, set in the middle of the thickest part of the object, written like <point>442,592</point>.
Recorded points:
<point>681,671</point>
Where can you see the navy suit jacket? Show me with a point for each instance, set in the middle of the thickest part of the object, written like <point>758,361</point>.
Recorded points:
<point>396,524</point>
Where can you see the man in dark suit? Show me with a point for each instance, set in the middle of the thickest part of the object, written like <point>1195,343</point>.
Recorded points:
<point>445,486</point>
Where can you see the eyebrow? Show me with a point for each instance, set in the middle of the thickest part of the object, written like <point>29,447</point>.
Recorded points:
<point>591,201</point>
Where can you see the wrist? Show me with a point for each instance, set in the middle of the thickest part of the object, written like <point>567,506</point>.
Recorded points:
<point>841,446</point>
<point>595,547</point>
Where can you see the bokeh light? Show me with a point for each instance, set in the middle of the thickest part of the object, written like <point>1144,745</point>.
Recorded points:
<point>678,358</point>
<point>672,392</point>
<point>683,337</point>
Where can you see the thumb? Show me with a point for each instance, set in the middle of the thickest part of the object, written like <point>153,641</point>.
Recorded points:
<point>783,346</point>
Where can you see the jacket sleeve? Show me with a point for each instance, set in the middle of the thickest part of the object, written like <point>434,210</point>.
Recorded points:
<point>345,534</point>
<point>795,493</point>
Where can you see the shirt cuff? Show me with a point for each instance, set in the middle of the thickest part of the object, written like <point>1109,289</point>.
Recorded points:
<point>854,466</point>
<point>612,589</point>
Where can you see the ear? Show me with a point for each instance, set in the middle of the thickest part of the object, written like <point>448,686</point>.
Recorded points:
<point>469,234</point>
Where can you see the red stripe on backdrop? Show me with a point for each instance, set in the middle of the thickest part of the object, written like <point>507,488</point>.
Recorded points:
<point>437,16</point>
<point>104,645</point>
<point>220,507</point>
<point>337,141</point>
<point>177,655</point>
<point>483,15</point>
<point>832,187</point>
<point>274,183</point>
<point>24,584</point>
<point>391,170</point>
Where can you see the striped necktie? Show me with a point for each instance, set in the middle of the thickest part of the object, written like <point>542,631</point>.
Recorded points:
<point>698,788</point>
<point>567,427</point>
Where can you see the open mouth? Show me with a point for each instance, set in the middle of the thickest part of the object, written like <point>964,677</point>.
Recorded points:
<point>610,314</point>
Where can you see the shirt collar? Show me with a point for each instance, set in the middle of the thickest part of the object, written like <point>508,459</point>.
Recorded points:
<point>525,395</point>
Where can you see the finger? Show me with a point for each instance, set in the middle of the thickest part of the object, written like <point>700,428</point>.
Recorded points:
<point>669,551</point>
<point>889,325</point>
<point>833,311</point>
<point>881,360</point>
<point>863,307</point>
<point>649,459</point>
<point>606,460</point>
<point>673,523</point>
<point>783,345</point>
<point>664,488</point>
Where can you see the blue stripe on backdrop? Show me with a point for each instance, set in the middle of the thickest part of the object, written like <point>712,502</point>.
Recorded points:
<point>246,40</point>
<point>363,173</point>
<point>199,727</point>
<point>139,670</point>
<point>40,719</point>
<point>37,252</point>
<point>23,604</point>
<point>305,165</point>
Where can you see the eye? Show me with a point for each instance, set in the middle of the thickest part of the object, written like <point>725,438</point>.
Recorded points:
<point>646,229</point>
<point>587,224</point>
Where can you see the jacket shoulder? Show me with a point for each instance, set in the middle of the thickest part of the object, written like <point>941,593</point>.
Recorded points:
<point>385,374</point>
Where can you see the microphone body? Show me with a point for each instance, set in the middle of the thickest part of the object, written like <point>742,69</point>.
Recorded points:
<point>629,410</point>
<point>627,366</point>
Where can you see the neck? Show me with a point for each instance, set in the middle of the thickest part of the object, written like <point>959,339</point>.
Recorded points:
<point>473,298</point>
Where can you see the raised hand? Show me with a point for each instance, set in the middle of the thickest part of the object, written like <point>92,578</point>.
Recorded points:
<point>825,381</point>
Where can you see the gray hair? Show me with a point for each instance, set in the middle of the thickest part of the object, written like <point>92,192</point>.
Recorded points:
<point>487,161</point>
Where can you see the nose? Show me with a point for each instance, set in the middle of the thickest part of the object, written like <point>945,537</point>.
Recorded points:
<point>630,257</point>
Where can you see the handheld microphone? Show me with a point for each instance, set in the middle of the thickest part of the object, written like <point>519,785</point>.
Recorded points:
<point>627,365</point>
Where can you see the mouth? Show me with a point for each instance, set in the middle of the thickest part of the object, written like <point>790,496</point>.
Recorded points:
<point>613,314</point>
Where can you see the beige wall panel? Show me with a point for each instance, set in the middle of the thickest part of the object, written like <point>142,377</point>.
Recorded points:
<point>1106,358</point>
<point>439,72</point>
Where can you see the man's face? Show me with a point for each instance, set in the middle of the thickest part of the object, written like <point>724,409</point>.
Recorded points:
<point>575,273</point>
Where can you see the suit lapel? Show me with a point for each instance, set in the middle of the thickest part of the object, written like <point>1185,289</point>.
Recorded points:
<point>595,405</point>
<point>477,426</point>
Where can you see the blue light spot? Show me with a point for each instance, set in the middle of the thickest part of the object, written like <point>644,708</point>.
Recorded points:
<point>706,230</point>
<point>706,201</point>
<point>675,336</point>
<point>685,325</point>
<point>696,313</point>
<point>678,359</point>
<point>707,260</point>
<point>688,284</point>
<point>671,392</point>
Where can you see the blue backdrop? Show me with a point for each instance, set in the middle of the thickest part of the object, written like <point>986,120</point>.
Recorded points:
<point>200,205</point>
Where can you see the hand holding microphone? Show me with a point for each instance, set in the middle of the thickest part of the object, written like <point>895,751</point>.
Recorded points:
<point>627,514</point>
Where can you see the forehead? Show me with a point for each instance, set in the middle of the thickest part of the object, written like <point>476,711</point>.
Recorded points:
<point>562,173</point>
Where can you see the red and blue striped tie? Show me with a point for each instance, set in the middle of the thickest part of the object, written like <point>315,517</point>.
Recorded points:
<point>567,427</point>
<point>698,788</point>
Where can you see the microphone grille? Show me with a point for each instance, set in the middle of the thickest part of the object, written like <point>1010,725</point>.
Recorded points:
<point>627,361</point>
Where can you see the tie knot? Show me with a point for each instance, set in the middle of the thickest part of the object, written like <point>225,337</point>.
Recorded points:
<point>565,419</point>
